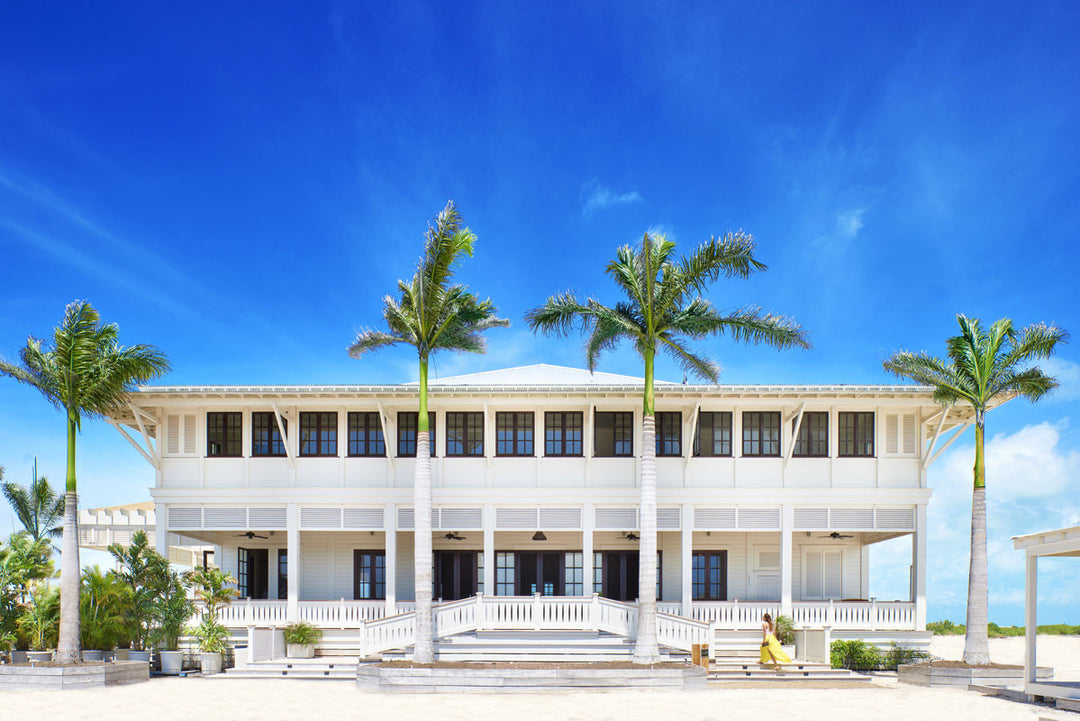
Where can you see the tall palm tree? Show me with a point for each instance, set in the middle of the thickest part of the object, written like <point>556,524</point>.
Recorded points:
<point>431,314</point>
<point>984,365</point>
<point>86,373</point>
<point>663,308</point>
<point>38,508</point>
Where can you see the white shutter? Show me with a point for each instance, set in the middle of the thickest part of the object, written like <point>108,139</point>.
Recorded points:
<point>516,518</point>
<point>266,518</point>
<point>833,571</point>
<point>765,518</point>
<point>320,518</point>
<point>714,518</point>
<point>811,518</point>
<point>891,430</point>
<point>555,518</point>
<point>189,434</point>
<point>172,435</point>
<point>185,517</point>
<point>909,433</point>
<point>895,519</point>
<point>616,519</point>
<point>813,575</point>
<point>224,517</point>
<point>458,519</point>
<point>668,519</point>
<point>405,518</point>
<point>851,519</point>
<point>370,518</point>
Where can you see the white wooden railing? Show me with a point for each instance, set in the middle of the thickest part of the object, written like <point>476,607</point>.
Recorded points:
<point>856,615</point>
<point>734,615</point>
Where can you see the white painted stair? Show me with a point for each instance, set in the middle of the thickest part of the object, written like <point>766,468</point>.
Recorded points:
<point>323,668</point>
<point>734,669</point>
<point>525,646</point>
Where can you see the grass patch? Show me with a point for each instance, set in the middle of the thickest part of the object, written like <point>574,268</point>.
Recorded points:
<point>948,628</point>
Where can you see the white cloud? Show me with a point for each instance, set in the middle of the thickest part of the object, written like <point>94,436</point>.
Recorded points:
<point>850,222</point>
<point>1067,374</point>
<point>595,196</point>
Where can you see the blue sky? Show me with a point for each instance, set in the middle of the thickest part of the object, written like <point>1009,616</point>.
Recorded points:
<point>241,185</point>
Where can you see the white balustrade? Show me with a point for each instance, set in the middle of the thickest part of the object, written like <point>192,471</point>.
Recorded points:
<point>733,615</point>
<point>856,615</point>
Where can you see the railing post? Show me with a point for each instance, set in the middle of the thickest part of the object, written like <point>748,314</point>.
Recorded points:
<point>481,617</point>
<point>363,639</point>
<point>830,614</point>
<point>341,613</point>
<point>249,617</point>
<point>594,612</point>
<point>734,614</point>
<point>537,611</point>
<point>873,614</point>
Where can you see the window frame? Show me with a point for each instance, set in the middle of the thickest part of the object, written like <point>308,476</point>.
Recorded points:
<point>373,584</point>
<point>413,425</point>
<point>521,422</point>
<point>760,428</point>
<point>320,428</point>
<point>618,422</point>
<point>713,429</point>
<point>807,429</point>
<point>557,447</point>
<point>464,417</point>
<point>274,439</point>
<point>708,582</point>
<point>230,422</point>
<point>367,448</point>
<point>857,428</point>
<point>668,419</point>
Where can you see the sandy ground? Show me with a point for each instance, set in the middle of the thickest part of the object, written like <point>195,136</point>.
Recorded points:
<point>270,700</point>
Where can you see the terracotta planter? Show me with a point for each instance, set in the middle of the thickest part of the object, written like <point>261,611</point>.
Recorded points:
<point>300,650</point>
<point>210,663</point>
<point>172,662</point>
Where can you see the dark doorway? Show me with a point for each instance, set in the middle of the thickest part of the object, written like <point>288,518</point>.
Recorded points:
<point>455,574</point>
<point>254,573</point>
<point>540,573</point>
<point>620,575</point>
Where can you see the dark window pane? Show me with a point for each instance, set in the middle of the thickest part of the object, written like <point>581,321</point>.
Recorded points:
<point>562,433</point>
<point>464,434</point>
<point>709,575</point>
<point>513,434</point>
<point>761,434</point>
<point>369,575</point>
<point>366,435</point>
<point>856,434</point>
<point>713,434</point>
<point>266,436</point>
<point>318,434</point>
<point>813,438</point>
<point>224,435</point>
<point>668,434</point>
<point>614,434</point>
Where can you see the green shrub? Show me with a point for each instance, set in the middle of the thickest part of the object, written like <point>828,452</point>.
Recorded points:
<point>898,655</point>
<point>302,633</point>
<point>785,630</point>
<point>211,636</point>
<point>855,655</point>
<point>946,628</point>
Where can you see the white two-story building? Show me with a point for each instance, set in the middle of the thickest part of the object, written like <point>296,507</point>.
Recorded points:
<point>769,497</point>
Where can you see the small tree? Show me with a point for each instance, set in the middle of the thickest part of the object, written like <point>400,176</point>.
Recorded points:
<point>104,609</point>
<point>40,621</point>
<point>172,607</point>
<point>38,508</point>
<point>211,586</point>
<point>142,569</point>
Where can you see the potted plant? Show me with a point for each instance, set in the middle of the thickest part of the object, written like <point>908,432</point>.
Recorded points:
<point>141,568</point>
<point>7,645</point>
<point>300,639</point>
<point>172,609</point>
<point>213,641</point>
<point>103,609</point>
<point>785,634</point>
<point>212,589</point>
<point>40,621</point>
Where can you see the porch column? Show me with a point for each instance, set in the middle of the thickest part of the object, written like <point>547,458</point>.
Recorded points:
<point>588,526</point>
<point>686,559</point>
<point>292,551</point>
<point>787,527</point>
<point>918,562</point>
<point>390,534</point>
<point>489,549</point>
<point>1031,578</point>
<point>161,530</point>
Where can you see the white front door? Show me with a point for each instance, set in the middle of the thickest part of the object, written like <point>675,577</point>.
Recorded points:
<point>822,574</point>
<point>764,573</point>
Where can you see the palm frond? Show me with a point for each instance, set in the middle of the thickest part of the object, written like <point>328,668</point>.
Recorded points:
<point>559,315</point>
<point>731,256</point>
<point>690,362</point>
<point>1030,383</point>
<point>369,340</point>
<point>751,325</point>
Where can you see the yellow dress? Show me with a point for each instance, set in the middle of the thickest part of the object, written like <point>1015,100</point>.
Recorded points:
<point>773,652</point>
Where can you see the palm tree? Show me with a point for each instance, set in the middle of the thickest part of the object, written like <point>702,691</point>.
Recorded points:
<point>984,366</point>
<point>662,309</point>
<point>431,315</point>
<point>86,373</point>
<point>38,507</point>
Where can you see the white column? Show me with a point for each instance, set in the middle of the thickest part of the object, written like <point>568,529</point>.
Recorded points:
<point>390,546</point>
<point>864,573</point>
<point>489,550</point>
<point>292,533</point>
<point>1030,620</point>
<point>918,562</point>
<point>161,530</point>
<point>787,527</point>
<point>588,526</point>
<point>687,560</point>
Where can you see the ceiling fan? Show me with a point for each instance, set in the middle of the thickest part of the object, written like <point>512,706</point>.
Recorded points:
<point>249,535</point>
<point>452,536</point>
<point>631,536</point>
<point>836,535</point>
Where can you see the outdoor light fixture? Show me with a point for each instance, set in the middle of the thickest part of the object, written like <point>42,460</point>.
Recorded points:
<point>539,536</point>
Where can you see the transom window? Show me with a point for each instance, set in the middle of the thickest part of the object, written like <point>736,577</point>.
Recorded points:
<point>562,433</point>
<point>366,435</point>
<point>369,574</point>
<point>813,438</point>
<point>513,434</point>
<point>761,434</point>
<point>668,434</point>
<point>266,436</point>
<point>856,434</point>
<point>318,434</point>
<point>614,434</point>
<point>709,575</point>
<point>407,433</point>
<point>465,434</point>
<point>223,434</point>
<point>713,434</point>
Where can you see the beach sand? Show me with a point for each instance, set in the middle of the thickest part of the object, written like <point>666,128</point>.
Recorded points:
<point>165,699</point>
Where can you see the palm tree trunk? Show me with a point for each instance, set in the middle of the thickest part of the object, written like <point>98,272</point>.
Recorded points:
<point>976,643</point>
<point>424,648</point>
<point>67,650</point>
<point>646,649</point>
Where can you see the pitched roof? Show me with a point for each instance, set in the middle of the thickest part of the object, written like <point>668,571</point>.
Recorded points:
<point>539,374</point>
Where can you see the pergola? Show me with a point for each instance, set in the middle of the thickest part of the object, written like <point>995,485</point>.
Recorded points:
<point>1061,542</point>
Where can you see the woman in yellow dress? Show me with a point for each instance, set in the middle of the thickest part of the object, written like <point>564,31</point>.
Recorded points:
<point>770,646</point>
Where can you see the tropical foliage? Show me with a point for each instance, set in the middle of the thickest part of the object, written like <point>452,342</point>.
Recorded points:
<point>38,508</point>
<point>431,313</point>
<point>211,587</point>
<point>40,620</point>
<point>172,609</point>
<point>662,310</point>
<point>302,633</point>
<point>985,366</point>
<point>23,563</point>
<point>144,571</point>
<point>211,636</point>
<point>85,373</point>
<point>104,609</point>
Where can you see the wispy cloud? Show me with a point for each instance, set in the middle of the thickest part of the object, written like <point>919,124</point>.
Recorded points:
<point>1067,374</point>
<point>849,222</point>
<point>595,196</point>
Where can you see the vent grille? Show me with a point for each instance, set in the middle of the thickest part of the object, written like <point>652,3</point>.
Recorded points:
<point>909,433</point>
<point>712,518</point>
<point>766,518</point>
<point>189,434</point>
<point>892,430</point>
<point>224,517</point>
<point>669,519</point>
<point>516,518</point>
<point>896,519</point>
<point>811,518</point>
<point>267,518</point>
<point>616,519</point>
<point>172,435</point>
<point>362,518</point>
<point>320,518</point>
<point>405,519</point>
<point>185,518</point>
<point>851,519</point>
<point>560,518</point>
<point>457,519</point>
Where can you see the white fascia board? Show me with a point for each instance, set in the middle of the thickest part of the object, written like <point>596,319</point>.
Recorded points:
<point>1033,541</point>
